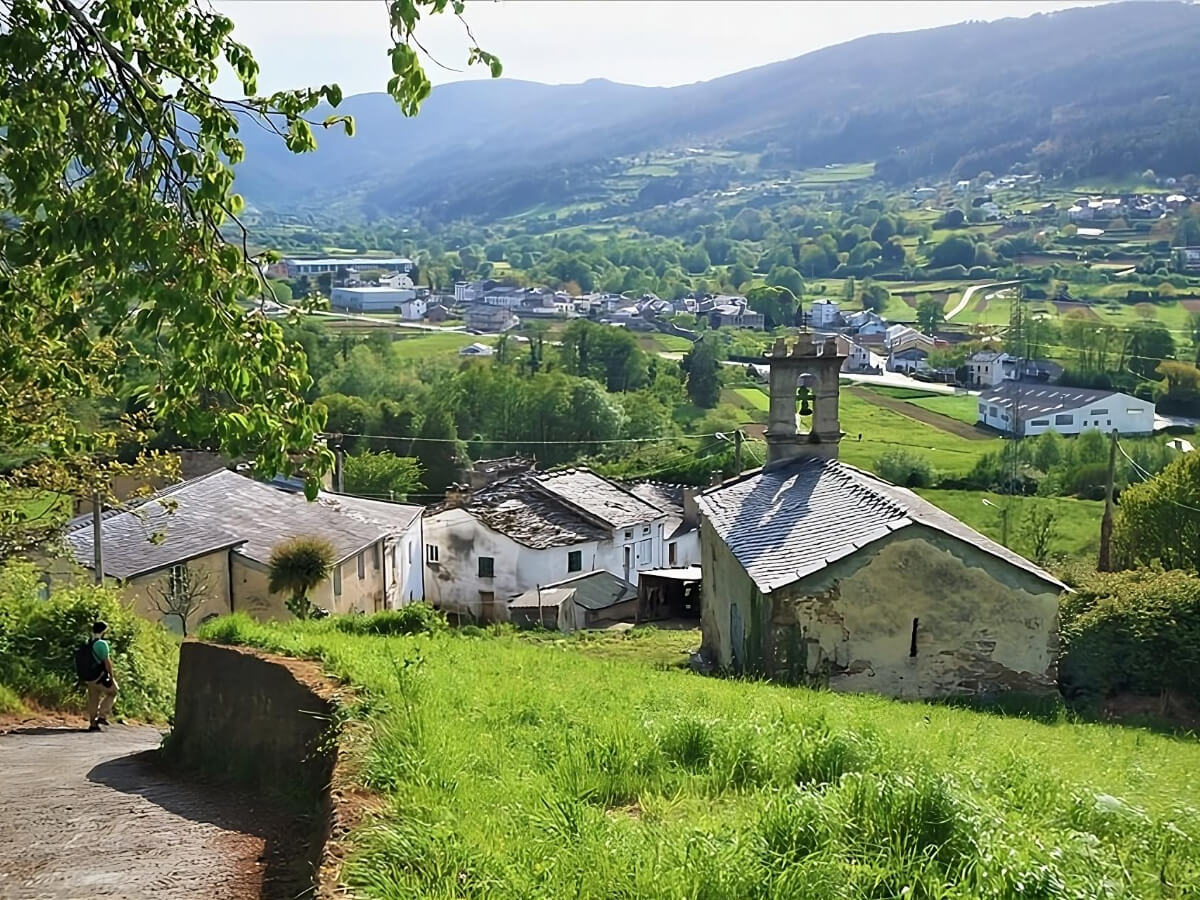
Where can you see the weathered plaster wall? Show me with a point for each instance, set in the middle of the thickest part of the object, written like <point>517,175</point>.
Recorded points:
<point>982,625</point>
<point>212,569</point>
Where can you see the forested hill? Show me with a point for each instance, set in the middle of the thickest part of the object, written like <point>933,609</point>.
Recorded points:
<point>1100,90</point>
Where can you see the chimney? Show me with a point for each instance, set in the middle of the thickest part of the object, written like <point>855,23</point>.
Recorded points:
<point>458,495</point>
<point>691,512</point>
<point>815,367</point>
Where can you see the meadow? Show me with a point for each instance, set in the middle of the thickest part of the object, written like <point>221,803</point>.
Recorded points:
<point>513,768</point>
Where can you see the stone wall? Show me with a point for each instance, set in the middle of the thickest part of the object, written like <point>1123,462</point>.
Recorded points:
<point>260,720</point>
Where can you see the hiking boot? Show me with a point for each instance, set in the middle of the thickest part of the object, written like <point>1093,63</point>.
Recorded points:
<point>95,726</point>
<point>101,721</point>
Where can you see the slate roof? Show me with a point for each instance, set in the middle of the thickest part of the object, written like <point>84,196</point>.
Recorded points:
<point>1041,400</point>
<point>225,510</point>
<point>598,497</point>
<point>668,498</point>
<point>790,520</point>
<point>513,507</point>
<point>592,590</point>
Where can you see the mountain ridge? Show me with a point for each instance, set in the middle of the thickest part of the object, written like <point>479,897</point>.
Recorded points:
<point>1089,90</point>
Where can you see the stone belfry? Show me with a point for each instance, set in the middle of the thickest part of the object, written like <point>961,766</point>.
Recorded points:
<point>808,373</point>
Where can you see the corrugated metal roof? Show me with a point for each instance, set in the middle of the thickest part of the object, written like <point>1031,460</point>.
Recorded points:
<point>591,590</point>
<point>1041,400</point>
<point>790,520</point>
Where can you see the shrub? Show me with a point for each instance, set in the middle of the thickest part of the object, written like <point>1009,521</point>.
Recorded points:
<point>297,566</point>
<point>38,640</point>
<point>1136,631</point>
<point>416,618</point>
<point>906,468</point>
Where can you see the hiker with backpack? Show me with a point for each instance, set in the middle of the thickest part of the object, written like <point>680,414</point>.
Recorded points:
<point>93,666</point>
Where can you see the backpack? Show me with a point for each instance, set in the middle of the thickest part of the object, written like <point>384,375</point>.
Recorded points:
<point>87,667</point>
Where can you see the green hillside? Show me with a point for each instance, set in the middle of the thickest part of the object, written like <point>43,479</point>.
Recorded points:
<point>515,769</point>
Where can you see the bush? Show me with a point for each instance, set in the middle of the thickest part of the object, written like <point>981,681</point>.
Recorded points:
<point>906,468</point>
<point>38,640</point>
<point>1136,631</point>
<point>414,619</point>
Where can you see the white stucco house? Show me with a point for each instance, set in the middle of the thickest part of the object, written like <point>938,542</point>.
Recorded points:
<point>485,547</point>
<point>987,367</point>
<point>1032,409</point>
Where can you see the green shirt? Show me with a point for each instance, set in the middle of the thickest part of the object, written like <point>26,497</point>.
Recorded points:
<point>100,650</point>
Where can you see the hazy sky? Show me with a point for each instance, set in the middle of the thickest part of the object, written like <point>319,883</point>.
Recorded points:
<point>650,42</point>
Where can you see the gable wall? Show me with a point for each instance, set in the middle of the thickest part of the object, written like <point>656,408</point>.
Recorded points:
<point>983,625</point>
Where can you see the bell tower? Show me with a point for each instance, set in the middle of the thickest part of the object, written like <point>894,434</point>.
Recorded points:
<point>809,373</point>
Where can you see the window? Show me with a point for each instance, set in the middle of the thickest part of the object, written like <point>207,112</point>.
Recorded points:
<point>645,529</point>
<point>1133,412</point>
<point>575,561</point>
<point>375,557</point>
<point>992,411</point>
<point>672,553</point>
<point>912,643</point>
<point>1099,412</point>
<point>487,567</point>
<point>337,580</point>
<point>1040,423</point>
<point>983,409</point>
<point>362,566</point>
<point>431,553</point>
<point>628,535</point>
<point>628,557</point>
<point>1064,420</point>
<point>176,580</point>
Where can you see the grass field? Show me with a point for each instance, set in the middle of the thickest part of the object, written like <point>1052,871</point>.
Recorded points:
<point>1076,530</point>
<point>427,344</point>
<point>509,769</point>
<point>963,407</point>
<point>882,429</point>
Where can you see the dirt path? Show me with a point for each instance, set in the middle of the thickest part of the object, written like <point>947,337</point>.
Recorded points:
<point>91,815</point>
<point>928,416</point>
<point>970,292</point>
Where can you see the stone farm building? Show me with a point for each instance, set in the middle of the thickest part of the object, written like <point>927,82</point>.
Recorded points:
<point>224,526</point>
<point>815,571</point>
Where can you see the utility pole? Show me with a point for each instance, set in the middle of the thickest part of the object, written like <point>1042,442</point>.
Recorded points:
<point>1106,524</point>
<point>737,451</point>
<point>97,538</point>
<point>339,462</point>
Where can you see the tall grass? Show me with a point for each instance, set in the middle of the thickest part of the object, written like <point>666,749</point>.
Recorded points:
<point>513,769</point>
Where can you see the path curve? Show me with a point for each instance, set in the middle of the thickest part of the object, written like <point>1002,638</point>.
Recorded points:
<point>88,815</point>
<point>970,292</point>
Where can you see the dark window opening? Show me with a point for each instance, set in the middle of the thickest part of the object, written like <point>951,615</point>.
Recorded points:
<point>487,566</point>
<point>912,646</point>
<point>574,560</point>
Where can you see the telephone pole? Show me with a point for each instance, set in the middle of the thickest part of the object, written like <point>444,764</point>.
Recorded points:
<point>97,538</point>
<point>737,451</point>
<point>1106,524</point>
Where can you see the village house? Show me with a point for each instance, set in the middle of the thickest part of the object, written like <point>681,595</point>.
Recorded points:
<point>489,319</point>
<point>986,367</point>
<point>223,526</point>
<point>489,542</point>
<point>1032,409</point>
<point>733,312</point>
<point>815,571</point>
<point>865,322</point>
<point>825,314</point>
<point>682,527</point>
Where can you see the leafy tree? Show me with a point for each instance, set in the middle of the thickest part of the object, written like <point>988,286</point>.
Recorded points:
<point>1159,519</point>
<point>703,365</point>
<point>815,260</point>
<point>777,304</point>
<point>930,315</point>
<point>438,448</point>
<point>740,274</point>
<point>874,297</point>
<point>1048,450</point>
<point>893,251</point>
<point>695,260</point>
<point>1037,529</point>
<point>884,228</point>
<point>864,252</point>
<point>494,252</point>
<point>121,225</point>
<point>952,218</point>
<point>609,355</point>
<point>786,277</point>
<point>955,250</point>
<point>382,475</point>
<point>848,289</point>
<point>1149,344</point>
<point>347,415</point>
<point>296,567</point>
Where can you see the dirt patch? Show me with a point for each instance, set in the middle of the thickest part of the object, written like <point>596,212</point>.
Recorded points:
<point>1066,306</point>
<point>910,299</point>
<point>927,416</point>
<point>1171,708</point>
<point>1190,305</point>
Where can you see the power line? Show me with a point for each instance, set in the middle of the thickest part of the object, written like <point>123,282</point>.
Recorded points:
<point>575,442</point>
<point>1148,477</point>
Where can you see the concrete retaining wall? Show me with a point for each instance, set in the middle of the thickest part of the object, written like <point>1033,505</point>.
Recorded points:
<point>261,720</point>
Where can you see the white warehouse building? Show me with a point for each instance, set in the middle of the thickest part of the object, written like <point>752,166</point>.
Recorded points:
<point>1032,409</point>
<point>378,299</point>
